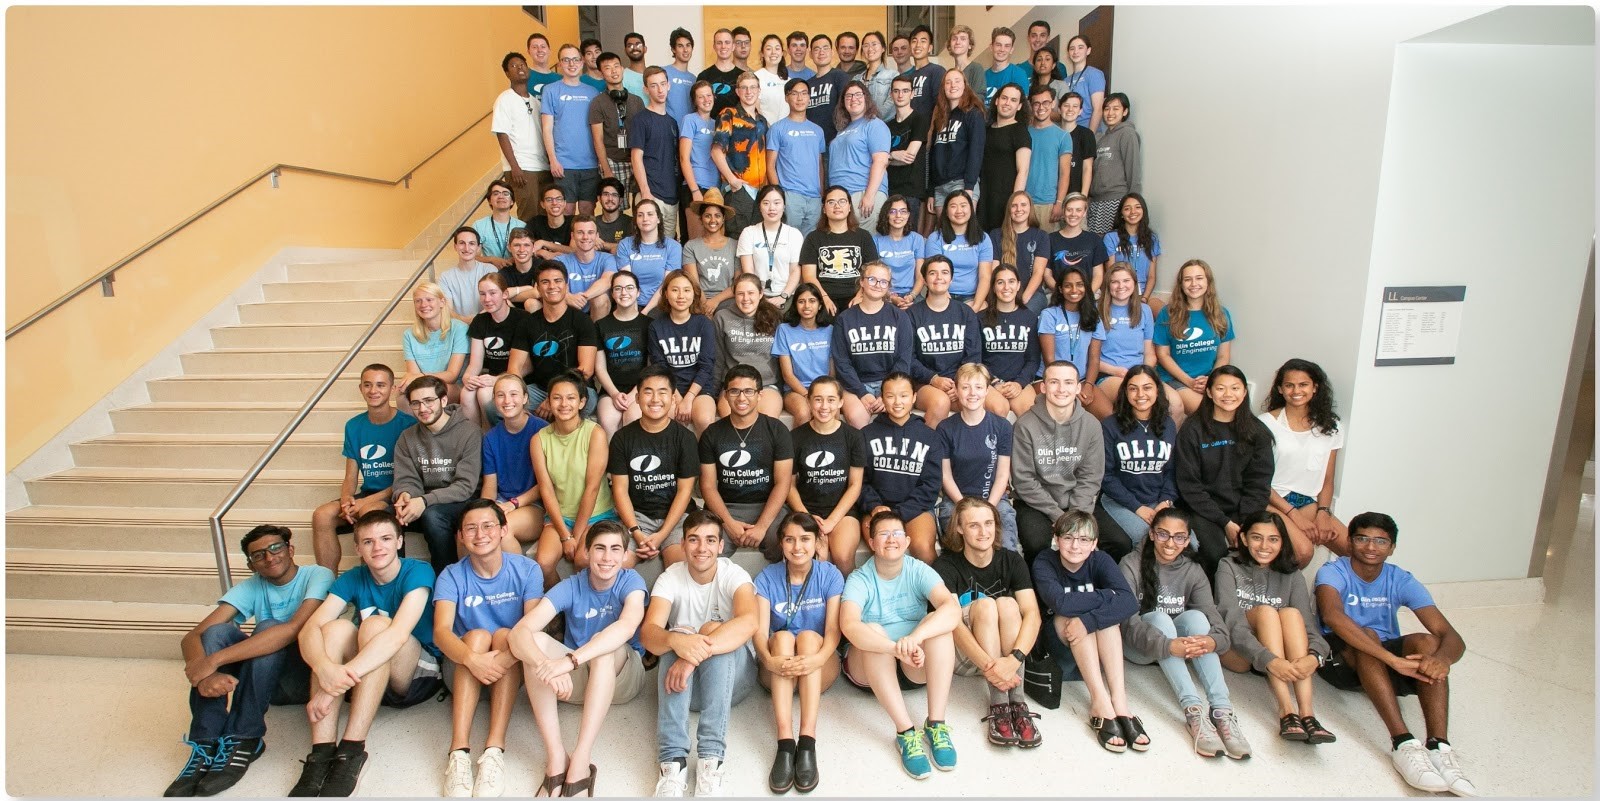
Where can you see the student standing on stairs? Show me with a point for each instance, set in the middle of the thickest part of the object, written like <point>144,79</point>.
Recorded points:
<point>516,128</point>
<point>436,468</point>
<point>257,669</point>
<point>369,440</point>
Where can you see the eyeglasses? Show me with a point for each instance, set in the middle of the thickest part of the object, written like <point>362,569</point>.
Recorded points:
<point>499,193</point>
<point>624,288</point>
<point>901,212</point>
<point>1078,540</point>
<point>893,532</point>
<point>1381,542</point>
<point>261,555</point>
<point>1167,536</point>
<point>837,201</point>
<point>900,90</point>
<point>571,60</point>
<point>741,393</point>
<point>873,280</point>
<point>418,403</point>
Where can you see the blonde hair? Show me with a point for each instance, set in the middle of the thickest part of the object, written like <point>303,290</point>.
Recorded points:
<point>1210,304</point>
<point>952,540</point>
<point>1134,303</point>
<point>447,312</point>
<point>972,38</point>
<point>971,370</point>
<point>512,377</point>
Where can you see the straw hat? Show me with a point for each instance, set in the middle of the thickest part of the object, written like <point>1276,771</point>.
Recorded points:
<point>711,197</point>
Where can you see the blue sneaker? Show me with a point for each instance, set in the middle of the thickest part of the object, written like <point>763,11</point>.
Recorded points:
<point>912,755</point>
<point>200,756</point>
<point>944,751</point>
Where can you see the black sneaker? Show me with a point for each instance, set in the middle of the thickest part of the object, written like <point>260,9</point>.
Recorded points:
<point>344,775</point>
<point>194,770</point>
<point>228,765</point>
<point>312,776</point>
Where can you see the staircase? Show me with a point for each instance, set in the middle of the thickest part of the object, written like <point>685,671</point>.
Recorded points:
<point>114,556</point>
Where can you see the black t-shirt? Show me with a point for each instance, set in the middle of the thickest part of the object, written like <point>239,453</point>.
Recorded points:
<point>561,234</point>
<point>552,348</point>
<point>497,338</point>
<point>911,179</point>
<point>722,85</point>
<point>839,258</point>
<point>826,93</point>
<point>1081,253</point>
<point>745,459</point>
<point>623,343</point>
<point>1082,148</point>
<point>999,166</point>
<point>1004,577</point>
<point>515,278</point>
<point>614,232</point>
<point>653,463</point>
<point>822,465</point>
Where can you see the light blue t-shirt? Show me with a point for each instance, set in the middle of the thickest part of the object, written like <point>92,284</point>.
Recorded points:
<point>589,612</point>
<point>963,255</point>
<point>1377,605</point>
<point>995,81</point>
<point>494,239</point>
<point>1123,344</point>
<point>461,287</point>
<point>699,130</point>
<point>901,257</point>
<point>372,448</point>
<point>569,107</point>
<point>634,83</point>
<point>1071,341</point>
<point>434,355</point>
<point>1138,258</point>
<point>850,155</point>
<point>492,603</point>
<point>808,351</point>
<point>1050,143</point>
<point>650,262</point>
<point>507,458</point>
<point>803,607</point>
<point>580,276</point>
<point>896,604</point>
<point>798,148</point>
<point>259,599</point>
<point>1196,353</point>
<point>1086,83</point>
<point>678,85</point>
<point>371,599</point>
<point>803,73</point>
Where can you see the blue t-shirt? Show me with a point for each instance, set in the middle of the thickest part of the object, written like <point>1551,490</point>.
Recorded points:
<point>372,447</point>
<point>901,257</point>
<point>1376,605</point>
<point>1050,143</point>
<point>491,603</point>
<point>798,148</point>
<point>588,612</point>
<point>494,238</point>
<point>1085,83</point>
<point>808,351</point>
<point>850,155</point>
<point>434,355</point>
<point>1137,257</point>
<point>896,604</point>
<point>569,107</point>
<point>995,81</point>
<point>259,599</point>
<point>802,73</point>
<point>580,276</point>
<point>1123,344</point>
<point>699,130</point>
<point>656,138</point>
<point>649,262</point>
<point>357,587</point>
<point>963,256</point>
<point>598,84</point>
<point>799,608</point>
<point>507,458</point>
<point>678,85</point>
<point>974,451</point>
<point>1196,353</point>
<point>1071,341</point>
<point>537,81</point>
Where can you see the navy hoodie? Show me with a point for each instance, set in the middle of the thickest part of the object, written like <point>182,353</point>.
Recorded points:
<point>1096,593</point>
<point>955,152</point>
<point>867,347</point>
<point>1140,470</point>
<point>688,350</point>
<point>1219,477</point>
<point>945,340</point>
<point>904,466</point>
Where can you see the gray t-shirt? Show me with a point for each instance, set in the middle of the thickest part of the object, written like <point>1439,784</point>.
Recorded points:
<point>716,268</point>
<point>738,343</point>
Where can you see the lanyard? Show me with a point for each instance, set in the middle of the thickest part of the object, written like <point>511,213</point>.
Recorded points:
<point>795,599</point>
<point>772,256</point>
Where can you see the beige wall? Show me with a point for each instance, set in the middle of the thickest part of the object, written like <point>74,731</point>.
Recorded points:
<point>122,121</point>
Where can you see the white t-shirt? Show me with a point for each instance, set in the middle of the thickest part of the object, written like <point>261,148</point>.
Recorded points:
<point>771,101</point>
<point>1301,456</point>
<point>695,604</point>
<point>773,266</point>
<point>518,118</point>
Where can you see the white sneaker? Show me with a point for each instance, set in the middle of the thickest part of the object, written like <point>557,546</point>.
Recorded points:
<point>458,775</point>
<point>491,774</point>
<point>1444,761</point>
<point>674,780</point>
<point>1414,765</point>
<point>708,778</point>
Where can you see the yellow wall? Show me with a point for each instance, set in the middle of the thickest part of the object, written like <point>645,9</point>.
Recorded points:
<point>781,18</point>
<point>122,121</point>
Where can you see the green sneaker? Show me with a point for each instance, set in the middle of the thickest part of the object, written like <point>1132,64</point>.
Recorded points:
<point>944,751</point>
<point>912,756</point>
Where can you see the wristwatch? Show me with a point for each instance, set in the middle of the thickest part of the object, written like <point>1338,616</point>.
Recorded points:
<point>633,529</point>
<point>1322,661</point>
<point>1017,654</point>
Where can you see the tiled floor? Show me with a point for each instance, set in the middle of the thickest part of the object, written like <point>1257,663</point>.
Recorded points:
<point>1523,719</point>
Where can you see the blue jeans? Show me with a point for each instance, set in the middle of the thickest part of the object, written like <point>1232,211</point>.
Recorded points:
<point>438,527</point>
<point>802,212</point>
<point>1209,667</point>
<point>1131,524</point>
<point>1008,521</point>
<point>714,687</point>
<point>1040,300</point>
<point>279,677</point>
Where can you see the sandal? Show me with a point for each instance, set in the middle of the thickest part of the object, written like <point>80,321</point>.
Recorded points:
<point>584,786</point>
<point>1108,730</point>
<point>1315,733</point>
<point>551,785</point>
<point>1290,727</point>
<point>1133,729</point>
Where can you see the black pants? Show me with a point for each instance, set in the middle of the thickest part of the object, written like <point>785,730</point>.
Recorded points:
<point>1213,542</point>
<point>1035,531</point>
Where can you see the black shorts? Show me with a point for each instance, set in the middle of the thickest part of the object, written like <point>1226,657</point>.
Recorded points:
<point>1342,675</point>
<point>422,688</point>
<point>341,527</point>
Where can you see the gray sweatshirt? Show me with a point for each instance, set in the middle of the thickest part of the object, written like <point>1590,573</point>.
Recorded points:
<point>1241,588</point>
<point>738,343</point>
<point>443,467</point>
<point>1117,166</point>
<point>1057,467</point>
<point>1181,585</point>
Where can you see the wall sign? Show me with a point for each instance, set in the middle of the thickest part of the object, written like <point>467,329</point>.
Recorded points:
<point>1420,325</point>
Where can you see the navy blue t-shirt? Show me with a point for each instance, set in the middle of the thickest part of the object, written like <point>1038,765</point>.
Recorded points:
<point>656,136</point>
<point>1081,253</point>
<point>974,451</point>
<point>1031,244</point>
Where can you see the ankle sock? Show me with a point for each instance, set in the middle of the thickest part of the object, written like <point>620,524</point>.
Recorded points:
<point>786,746</point>
<point>322,750</point>
<point>1400,739</point>
<point>808,743</point>
<point>467,751</point>
<point>1434,743</point>
<point>912,729</point>
<point>352,747</point>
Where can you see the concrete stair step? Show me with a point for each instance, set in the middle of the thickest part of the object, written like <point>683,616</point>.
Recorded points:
<point>299,335</point>
<point>113,486</point>
<point>232,361</point>
<point>154,529</point>
<point>248,387</point>
<point>319,311</point>
<point>232,418</point>
<point>100,628</point>
<point>352,271</point>
<point>302,452</point>
<point>127,576</point>
<point>362,289</point>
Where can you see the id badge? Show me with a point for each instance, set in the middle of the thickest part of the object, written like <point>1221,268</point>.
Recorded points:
<point>622,140</point>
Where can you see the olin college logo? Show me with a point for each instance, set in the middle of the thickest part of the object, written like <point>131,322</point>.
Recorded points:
<point>373,452</point>
<point>819,459</point>
<point>645,464</point>
<point>732,459</point>
<point>546,349</point>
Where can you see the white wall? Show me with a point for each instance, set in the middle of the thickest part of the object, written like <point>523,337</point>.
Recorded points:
<point>1458,453</point>
<point>657,22</point>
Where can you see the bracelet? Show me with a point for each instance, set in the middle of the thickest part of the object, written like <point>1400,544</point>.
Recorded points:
<point>574,657</point>
<point>1324,509</point>
<point>515,504</point>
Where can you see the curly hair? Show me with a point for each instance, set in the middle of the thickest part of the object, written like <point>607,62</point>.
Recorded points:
<point>1324,420</point>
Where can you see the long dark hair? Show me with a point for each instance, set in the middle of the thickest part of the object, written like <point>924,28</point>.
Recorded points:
<point>1144,239</point>
<point>1246,427</point>
<point>1324,420</point>
<point>947,231</point>
<point>1149,584</point>
<point>883,216</point>
<point>765,318</point>
<point>991,313</point>
<point>1284,562</point>
<point>1088,309</point>
<point>1160,414</point>
<point>791,314</point>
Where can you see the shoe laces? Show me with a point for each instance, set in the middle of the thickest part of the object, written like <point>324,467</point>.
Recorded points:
<point>1447,759</point>
<point>1023,718</point>
<point>709,776</point>
<point>490,766</point>
<point>672,778</point>
<point>224,752</point>
<point>1418,758</point>
<point>1226,722</point>
<point>939,735</point>
<point>911,743</point>
<point>458,773</point>
<point>200,757</point>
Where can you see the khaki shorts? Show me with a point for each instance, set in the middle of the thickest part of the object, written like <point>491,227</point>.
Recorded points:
<point>1041,218</point>
<point>630,679</point>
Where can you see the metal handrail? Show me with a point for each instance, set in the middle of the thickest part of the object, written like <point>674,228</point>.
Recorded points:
<point>106,276</point>
<point>219,546</point>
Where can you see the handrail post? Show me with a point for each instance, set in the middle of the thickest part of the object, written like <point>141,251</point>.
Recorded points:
<point>105,285</point>
<point>220,548</point>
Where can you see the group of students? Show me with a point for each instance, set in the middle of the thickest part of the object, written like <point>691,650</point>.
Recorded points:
<point>1086,481</point>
